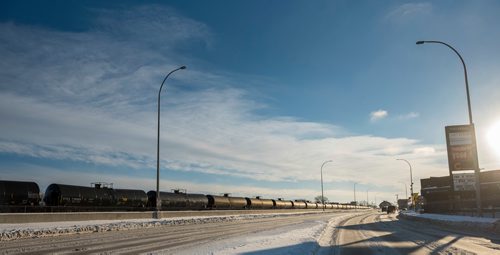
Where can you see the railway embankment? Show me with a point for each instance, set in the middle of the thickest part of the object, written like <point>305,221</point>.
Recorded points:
<point>456,222</point>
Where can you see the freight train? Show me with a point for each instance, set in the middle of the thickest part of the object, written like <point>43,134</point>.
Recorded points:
<point>16,195</point>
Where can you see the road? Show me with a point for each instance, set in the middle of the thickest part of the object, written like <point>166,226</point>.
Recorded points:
<point>346,233</point>
<point>378,233</point>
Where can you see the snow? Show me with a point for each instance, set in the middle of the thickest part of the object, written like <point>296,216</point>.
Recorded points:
<point>42,229</point>
<point>449,218</point>
<point>310,237</point>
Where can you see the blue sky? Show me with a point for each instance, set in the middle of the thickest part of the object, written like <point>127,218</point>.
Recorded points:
<point>272,90</point>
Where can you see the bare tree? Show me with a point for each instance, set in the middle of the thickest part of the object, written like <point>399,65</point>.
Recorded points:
<point>317,199</point>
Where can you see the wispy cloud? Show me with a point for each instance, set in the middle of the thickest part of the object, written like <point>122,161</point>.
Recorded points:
<point>378,115</point>
<point>410,115</point>
<point>408,11</point>
<point>91,97</point>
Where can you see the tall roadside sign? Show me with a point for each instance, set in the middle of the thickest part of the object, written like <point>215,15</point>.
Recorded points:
<point>462,154</point>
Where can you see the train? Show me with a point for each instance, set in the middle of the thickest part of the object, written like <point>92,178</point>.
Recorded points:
<point>16,195</point>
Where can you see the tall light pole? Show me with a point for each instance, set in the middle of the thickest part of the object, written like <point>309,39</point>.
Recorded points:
<point>367,197</point>
<point>355,203</point>
<point>158,199</point>
<point>477,170</point>
<point>411,181</point>
<point>322,197</point>
<point>406,189</point>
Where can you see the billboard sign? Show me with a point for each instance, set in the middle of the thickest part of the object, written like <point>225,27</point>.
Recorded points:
<point>464,181</point>
<point>461,146</point>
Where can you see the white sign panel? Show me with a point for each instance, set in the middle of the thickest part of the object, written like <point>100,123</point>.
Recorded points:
<point>464,181</point>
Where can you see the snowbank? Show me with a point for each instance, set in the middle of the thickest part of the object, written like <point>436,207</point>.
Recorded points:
<point>455,221</point>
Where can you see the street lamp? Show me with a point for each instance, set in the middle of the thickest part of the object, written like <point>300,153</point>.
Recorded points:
<point>322,197</point>
<point>406,189</point>
<point>158,200</point>
<point>477,170</point>
<point>465,73</point>
<point>367,197</point>
<point>355,203</point>
<point>411,181</point>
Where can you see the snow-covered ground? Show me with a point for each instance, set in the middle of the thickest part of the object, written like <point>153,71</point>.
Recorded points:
<point>34,230</point>
<point>451,218</point>
<point>311,237</point>
<point>458,222</point>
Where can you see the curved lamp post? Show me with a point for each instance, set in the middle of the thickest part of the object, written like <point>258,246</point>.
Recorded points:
<point>322,197</point>
<point>477,170</point>
<point>465,73</point>
<point>158,200</point>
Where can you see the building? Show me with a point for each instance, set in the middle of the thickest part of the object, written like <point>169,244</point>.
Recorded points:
<point>446,195</point>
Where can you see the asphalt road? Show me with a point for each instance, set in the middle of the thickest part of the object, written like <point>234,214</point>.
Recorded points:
<point>378,233</point>
<point>368,233</point>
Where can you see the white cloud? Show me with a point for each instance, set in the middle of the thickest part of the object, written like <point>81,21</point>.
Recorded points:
<point>424,150</point>
<point>378,115</point>
<point>409,11</point>
<point>91,97</point>
<point>410,115</point>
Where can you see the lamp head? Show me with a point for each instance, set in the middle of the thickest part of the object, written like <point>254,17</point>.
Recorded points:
<point>182,67</point>
<point>420,42</point>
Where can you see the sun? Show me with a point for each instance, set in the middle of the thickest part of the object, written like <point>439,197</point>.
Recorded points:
<point>494,137</point>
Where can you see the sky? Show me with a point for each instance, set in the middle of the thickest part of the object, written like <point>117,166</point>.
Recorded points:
<point>272,90</point>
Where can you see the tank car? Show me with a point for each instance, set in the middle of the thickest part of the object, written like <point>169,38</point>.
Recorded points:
<point>267,203</point>
<point>310,205</point>
<point>237,202</point>
<point>71,195</point>
<point>130,197</point>
<point>227,202</point>
<point>19,193</point>
<point>178,200</point>
<point>254,203</point>
<point>282,204</point>
<point>299,204</point>
<point>218,202</point>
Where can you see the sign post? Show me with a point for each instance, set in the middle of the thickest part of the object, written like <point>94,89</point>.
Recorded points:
<point>462,154</point>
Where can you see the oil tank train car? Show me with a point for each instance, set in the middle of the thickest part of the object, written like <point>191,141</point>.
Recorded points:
<point>283,204</point>
<point>19,193</point>
<point>178,200</point>
<point>226,202</point>
<point>299,204</point>
<point>99,195</point>
<point>260,203</point>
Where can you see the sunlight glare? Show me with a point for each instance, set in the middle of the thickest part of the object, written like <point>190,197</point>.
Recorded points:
<point>494,137</point>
